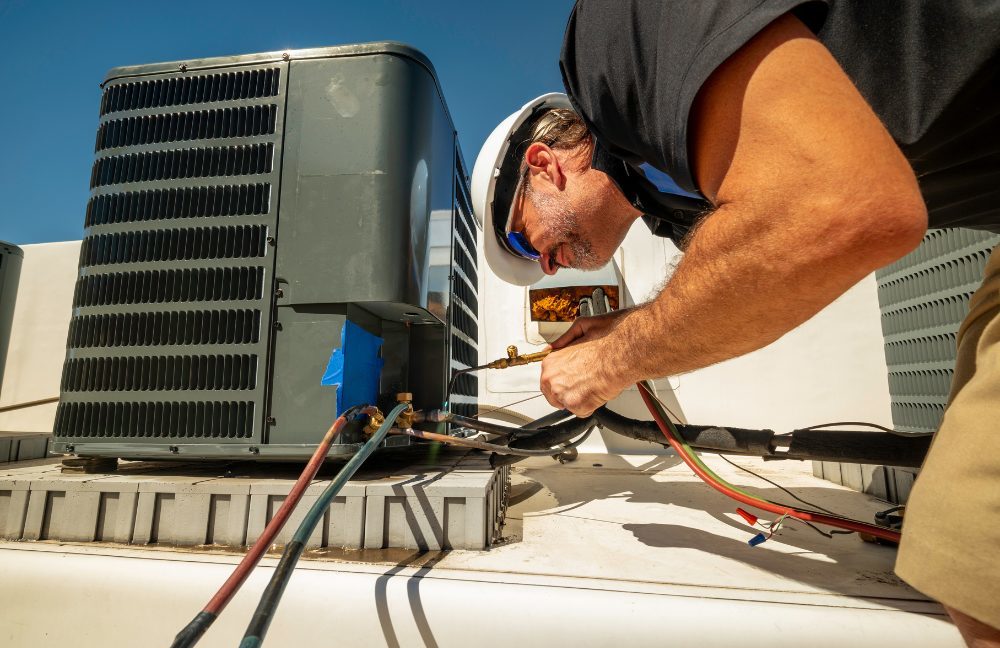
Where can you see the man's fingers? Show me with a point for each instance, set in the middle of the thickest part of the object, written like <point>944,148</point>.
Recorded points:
<point>575,332</point>
<point>545,385</point>
<point>582,406</point>
<point>554,402</point>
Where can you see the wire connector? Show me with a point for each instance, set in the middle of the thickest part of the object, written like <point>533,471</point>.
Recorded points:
<point>749,517</point>
<point>760,538</point>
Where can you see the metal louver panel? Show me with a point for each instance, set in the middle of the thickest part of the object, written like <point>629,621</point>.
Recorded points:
<point>172,310</point>
<point>183,202</point>
<point>222,123</point>
<point>207,162</point>
<point>150,373</point>
<point>924,297</point>
<point>464,303</point>
<point>156,420</point>
<point>183,89</point>
<point>168,286</point>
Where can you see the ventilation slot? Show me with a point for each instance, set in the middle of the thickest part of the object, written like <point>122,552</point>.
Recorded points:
<point>467,238</point>
<point>465,409</point>
<point>170,373</point>
<point>931,348</point>
<point>217,420</point>
<point>466,385</point>
<point>250,159</point>
<point>465,293</point>
<point>928,383</point>
<point>179,91</point>
<point>464,352</point>
<point>937,313</point>
<point>170,286</point>
<point>236,242</point>
<point>464,323</point>
<point>462,259</point>
<point>464,206</point>
<point>162,328</point>
<point>241,121</point>
<point>186,202</point>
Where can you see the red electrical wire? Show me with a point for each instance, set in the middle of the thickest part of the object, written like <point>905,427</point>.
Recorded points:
<point>256,552</point>
<point>850,525</point>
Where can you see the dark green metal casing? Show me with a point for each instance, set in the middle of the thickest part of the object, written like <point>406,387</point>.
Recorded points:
<point>10,273</point>
<point>242,210</point>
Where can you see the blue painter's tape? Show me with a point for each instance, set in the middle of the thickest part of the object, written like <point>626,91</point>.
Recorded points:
<point>354,368</point>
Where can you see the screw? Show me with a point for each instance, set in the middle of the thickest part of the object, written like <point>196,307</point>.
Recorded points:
<point>285,56</point>
<point>270,420</point>
<point>254,450</point>
<point>70,448</point>
<point>174,449</point>
<point>279,293</point>
<point>270,241</point>
<point>277,326</point>
<point>183,67</point>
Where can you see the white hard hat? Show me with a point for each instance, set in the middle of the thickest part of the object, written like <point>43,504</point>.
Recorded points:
<point>495,185</point>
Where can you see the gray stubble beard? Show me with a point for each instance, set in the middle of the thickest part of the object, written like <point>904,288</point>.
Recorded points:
<point>563,225</point>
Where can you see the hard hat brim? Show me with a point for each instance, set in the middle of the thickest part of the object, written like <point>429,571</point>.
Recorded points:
<point>485,176</point>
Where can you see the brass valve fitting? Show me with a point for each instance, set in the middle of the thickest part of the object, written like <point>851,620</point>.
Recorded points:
<point>375,421</point>
<point>513,359</point>
<point>405,420</point>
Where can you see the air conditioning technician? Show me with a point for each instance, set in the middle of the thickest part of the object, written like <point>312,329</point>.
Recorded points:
<point>790,149</point>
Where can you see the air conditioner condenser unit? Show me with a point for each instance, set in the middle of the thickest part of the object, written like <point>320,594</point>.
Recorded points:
<point>260,229</point>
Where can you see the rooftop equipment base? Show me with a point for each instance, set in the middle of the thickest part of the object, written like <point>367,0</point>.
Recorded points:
<point>454,500</point>
<point>23,446</point>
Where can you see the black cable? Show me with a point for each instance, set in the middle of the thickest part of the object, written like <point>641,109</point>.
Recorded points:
<point>551,418</point>
<point>875,426</point>
<point>825,534</point>
<point>779,486</point>
<point>482,426</point>
<point>511,431</point>
<point>493,447</point>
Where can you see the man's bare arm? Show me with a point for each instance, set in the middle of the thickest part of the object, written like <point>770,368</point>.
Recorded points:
<point>811,195</point>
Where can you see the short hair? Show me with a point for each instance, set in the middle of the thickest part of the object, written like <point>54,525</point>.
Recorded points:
<point>561,129</point>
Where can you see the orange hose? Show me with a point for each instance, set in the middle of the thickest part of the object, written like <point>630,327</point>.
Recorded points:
<point>850,525</point>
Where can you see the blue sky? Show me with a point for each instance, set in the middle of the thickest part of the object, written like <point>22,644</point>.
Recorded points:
<point>490,56</point>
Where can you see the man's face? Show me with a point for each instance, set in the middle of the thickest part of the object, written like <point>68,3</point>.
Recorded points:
<point>576,223</point>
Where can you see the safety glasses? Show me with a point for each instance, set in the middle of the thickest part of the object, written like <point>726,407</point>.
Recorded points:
<point>517,243</point>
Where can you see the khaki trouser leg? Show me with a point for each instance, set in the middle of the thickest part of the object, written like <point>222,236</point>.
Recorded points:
<point>951,537</point>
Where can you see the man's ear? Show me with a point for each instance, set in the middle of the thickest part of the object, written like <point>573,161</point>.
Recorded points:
<point>544,165</point>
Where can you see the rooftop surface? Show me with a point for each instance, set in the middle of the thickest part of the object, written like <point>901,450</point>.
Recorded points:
<point>609,547</point>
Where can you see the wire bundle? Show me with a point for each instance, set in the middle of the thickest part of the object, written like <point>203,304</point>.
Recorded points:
<point>708,476</point>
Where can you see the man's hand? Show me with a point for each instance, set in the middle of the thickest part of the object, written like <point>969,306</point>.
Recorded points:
<point>578,377</point>
<point>585,329</point>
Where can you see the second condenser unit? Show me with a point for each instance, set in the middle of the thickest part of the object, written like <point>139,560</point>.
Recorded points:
<point>260,230</point>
